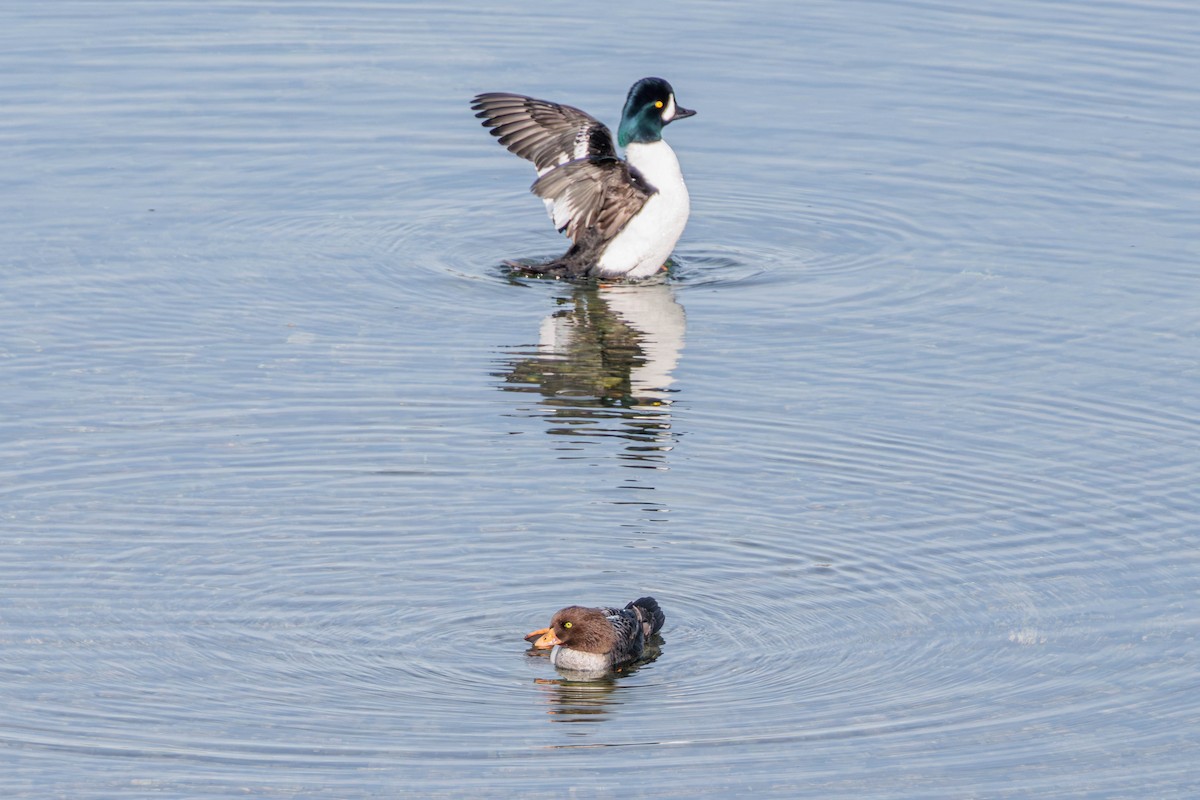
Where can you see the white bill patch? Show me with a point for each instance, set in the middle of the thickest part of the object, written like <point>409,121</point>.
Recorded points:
<point>668,113</point>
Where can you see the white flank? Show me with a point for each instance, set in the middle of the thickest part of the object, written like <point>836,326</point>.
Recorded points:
<point>645,243</point>
<point>566,658</point>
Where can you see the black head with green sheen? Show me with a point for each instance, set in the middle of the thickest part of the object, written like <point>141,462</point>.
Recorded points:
<point>649,106</point>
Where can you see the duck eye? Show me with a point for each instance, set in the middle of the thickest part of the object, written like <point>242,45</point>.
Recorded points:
<point>658,103</point>
<point>566,624</point>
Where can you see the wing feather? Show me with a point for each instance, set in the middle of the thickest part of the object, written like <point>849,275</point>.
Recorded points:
<point>596,194</point>
<point>548,134</point>
<point>629,634</point>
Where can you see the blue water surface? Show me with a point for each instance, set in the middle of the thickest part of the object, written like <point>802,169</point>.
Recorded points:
<point>905,444</point>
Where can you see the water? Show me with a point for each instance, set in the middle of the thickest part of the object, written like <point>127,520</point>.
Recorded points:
<point>906,444</point>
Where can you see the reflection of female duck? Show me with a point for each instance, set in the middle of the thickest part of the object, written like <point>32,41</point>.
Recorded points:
<point>599,639</point>
<point>574,700</point>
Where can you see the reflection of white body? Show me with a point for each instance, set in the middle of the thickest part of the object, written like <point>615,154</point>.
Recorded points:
<point>653,312</point>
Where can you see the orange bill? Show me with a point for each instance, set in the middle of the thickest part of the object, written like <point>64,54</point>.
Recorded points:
<point>545,638</point>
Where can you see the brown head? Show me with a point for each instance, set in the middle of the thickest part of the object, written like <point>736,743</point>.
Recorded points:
<point>578,628</point>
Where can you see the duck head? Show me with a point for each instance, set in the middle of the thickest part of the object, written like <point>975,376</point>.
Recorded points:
<point>578,628</point>
<point>649,106</point>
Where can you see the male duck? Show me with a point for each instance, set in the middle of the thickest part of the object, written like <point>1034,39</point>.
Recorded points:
<point>624,217</point>
<point>599,639</point>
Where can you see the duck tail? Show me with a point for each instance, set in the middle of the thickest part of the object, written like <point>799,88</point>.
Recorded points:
<point>550,269</point>
<point>651,616</point>
<point>579,262</point>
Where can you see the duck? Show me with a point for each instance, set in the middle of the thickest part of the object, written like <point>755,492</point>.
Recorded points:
<point>599,639</point>
<point>623,216</point>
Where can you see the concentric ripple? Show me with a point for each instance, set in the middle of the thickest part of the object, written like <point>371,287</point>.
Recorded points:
<point>904,443</point>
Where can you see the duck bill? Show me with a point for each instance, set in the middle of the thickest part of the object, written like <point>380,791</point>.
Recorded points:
<point>542,639</point>
<point>681,113</point>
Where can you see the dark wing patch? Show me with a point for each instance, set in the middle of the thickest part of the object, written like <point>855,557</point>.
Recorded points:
<point>599,194</point>
<point>548,134</point>
<point>650,613</point>
<point>626,624</point>
<point>630,637</point>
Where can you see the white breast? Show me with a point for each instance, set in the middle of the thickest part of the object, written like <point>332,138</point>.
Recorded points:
<point>566,658</point>
<point>643,245</point>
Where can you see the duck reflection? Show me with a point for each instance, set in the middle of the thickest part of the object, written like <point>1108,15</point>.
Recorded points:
<point>604,364</point>
<point>588,697</point>
<point>578,701</point>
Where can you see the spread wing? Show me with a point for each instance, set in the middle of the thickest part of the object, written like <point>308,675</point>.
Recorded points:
<point>598,193</point>
<point>548,134</point>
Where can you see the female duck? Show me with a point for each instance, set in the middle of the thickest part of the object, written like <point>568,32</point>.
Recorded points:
<point>599,639</point>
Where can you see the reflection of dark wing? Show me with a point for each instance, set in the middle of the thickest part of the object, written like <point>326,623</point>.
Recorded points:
<point>586,371</point>
<point>599,194</point>
<point>548,134</point>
